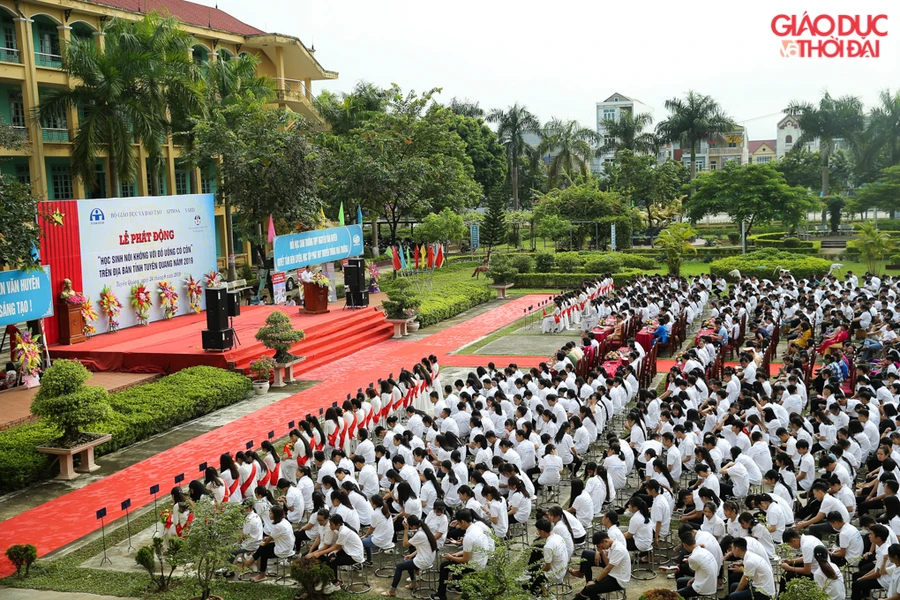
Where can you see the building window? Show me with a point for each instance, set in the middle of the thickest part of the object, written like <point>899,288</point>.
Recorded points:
<point>127,190</point>
<point>205,186</point>
<point>609,113</point>
<point>761,160</point>
<point>159,184</point>
<point>62,182</point>
<point>16,109</point>
<point>732,145</point>
<point>23,174</point>
<point>789,139</point>
<point>712,166</point>
<point>181,182</point>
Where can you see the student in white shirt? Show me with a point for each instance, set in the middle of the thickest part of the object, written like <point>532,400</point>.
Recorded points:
<point>828,577</point>
<point>757,574</point>
<point>346,550</point>
<point>551,560</point>
<point>476,547</point>
<point>616,571</point>
<point>381,529</point>
<point>424,547</point>
<point>640,528</point>
<point>279,542</point>
<point>703,564</point>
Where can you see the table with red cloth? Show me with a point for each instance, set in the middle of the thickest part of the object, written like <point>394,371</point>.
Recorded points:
<point>644,337</point>
<point>702,333</point>
<point>611,366</point>
<point>602,332</point>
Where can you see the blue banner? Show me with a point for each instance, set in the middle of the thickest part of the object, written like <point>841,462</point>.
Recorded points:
<point>25,296</point>
<point>313,247</point>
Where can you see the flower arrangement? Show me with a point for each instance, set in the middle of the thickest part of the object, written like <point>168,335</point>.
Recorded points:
<point>164,515</point>
<point>709,324</point>
<point>140,300</point>
<point>168,298</point>
<point>611,321</point>
<point>76,298</point>
<point>261,368</point>
<point>613,355</point>
<point>649,323</point>
<point>213,279</point>
<point>660,594</point>
<point>28,353</point>
<point>194,291</point>
<point>88,314</point>
<point>679,357</point>
<point>374,274</point>
<point>320,279</point>
<point>111,306</point>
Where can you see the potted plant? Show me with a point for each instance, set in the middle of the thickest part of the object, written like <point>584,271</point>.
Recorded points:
<point>401,306</point>
<point>208,545</point>
<point>260,371</point>
<point>64,402</point>
<point>278,334</point>
<point>312,576</point>
<point>501,272</point>
<point>161,554</point>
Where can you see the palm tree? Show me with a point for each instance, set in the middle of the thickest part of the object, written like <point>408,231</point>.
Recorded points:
<point>466,108</point>
<point>674,243</point>
<point>512,124</point>
<point>123,91</point>
<point>345,112</point>
<point>691,120</point>
<point>884,125</point>
<point>874,246</point>
<point>832,118</point>
<point>627,133</point>
<point>573,145</point>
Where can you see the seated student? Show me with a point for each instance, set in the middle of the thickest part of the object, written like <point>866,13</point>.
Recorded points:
<point>279,542</point>
<point>347,549</point>
<point>616,571</point>
<point>850,543</point>
<point>703,564</point>
<point>548,559</point>
<point>878,573</point>
<point>477,545</point>
<point>757,581</point>
<point>424,549</point>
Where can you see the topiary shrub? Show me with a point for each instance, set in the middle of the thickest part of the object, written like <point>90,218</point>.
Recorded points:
<point>402,301</point>
<point>765,262</point>
<point>734,238</point>
<point>568,262</point>
<point>278,334</point>
<point>603,264</point>
<point>22,556</point>
<point>64,402</point>
<point>502,270</point>
<point>543,262</point>
<point>523,263</point>
<point>310,574</point>
<point>791,242</point>
<point>636,261</point>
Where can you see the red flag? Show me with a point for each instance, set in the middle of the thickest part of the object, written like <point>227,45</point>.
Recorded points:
<point>396,254</point>
<point>271,236</point>
<point>439,259</point>
<point>430,256</point>
<point>416,257</point>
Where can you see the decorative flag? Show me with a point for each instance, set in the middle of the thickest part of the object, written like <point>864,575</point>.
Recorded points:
<point>341,214</point>
<point>359,215</point>
<point>416,257</point>
<point>395,257</point>
<point>430,256</point>
<point>271,229</point>
<point>322,219</point>
<point>439,259</point>
<point>409,261</point>
<point>402,258</point>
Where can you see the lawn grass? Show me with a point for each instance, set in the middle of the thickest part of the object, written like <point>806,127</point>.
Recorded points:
<point>474,347</point>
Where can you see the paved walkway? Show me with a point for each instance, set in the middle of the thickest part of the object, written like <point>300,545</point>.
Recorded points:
<point>14,594</point>
<point>73,513</point>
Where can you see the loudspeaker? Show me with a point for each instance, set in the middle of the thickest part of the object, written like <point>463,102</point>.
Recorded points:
<point>358,272</point>
<point>234,304</point>
<point>351,278</point>
<point>357,299</point>
<point>218,340</point>
<point>216,309</point>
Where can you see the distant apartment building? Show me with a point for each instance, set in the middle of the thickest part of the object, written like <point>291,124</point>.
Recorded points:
<point>613,108</point>
<point>763,151</point>
<point>711,154</point>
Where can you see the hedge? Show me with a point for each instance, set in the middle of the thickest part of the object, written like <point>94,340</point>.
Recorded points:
<point>778,240</point>
<point>764,262</point>
<point>138,413</point>
<point>449,300</point>
<point>569,280</point>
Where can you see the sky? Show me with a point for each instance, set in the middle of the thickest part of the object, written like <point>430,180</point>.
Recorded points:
<point>560,58</point>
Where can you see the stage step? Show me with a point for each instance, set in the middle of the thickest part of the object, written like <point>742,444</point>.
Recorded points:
<point>834,243</point>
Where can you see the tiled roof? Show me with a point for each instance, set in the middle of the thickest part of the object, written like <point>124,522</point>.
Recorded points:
<point>754,145</point>
<point>188,12</point>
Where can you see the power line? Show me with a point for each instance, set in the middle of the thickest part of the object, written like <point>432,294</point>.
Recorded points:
<point>761,117</point>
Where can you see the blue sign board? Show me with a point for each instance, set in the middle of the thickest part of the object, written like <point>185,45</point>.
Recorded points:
<point>313,247</point>
<point>25,296</point>
<point>475,232</point>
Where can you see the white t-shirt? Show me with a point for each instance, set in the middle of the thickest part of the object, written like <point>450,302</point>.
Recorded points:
<point>478,544</point>
<point>830,503</point>
<point>295,500</point>
<point>758,570</point>
<point>833,587</point>
<point>351,544</point>
<point>556,555</point>
<point>283,536</point>
<point>851,539</point>
<point>705,571</point>
<point>661,512</point>
<point>584,509</point>
<point>383,536</point>
<point>641,531</point>
<point>621,563</point>
<point>424,554</point>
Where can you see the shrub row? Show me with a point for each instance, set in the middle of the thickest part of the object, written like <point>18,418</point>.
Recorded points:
<point>778,240</point>
<point>568,280</point>
<point>138,413</point>
<point>448,300</point>
<point>765,262</point>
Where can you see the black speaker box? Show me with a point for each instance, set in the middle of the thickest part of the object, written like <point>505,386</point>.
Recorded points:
<point>360,274</point>
<point>216,309</point>
<point>357,299</point>
<point>218,340</point>
<point>234,304</point>
<point>351,278</point>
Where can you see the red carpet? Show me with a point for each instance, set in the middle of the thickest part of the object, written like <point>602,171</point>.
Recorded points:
<point>72,515</point>
<point>169,346</point>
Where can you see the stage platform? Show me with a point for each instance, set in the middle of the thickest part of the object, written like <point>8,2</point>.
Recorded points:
<point>169,346</point>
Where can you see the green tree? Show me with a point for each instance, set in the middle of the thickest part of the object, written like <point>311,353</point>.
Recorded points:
<point>268,165</point>
<point>466,108</point>
<point>553,227</point>
<point>835,204</point>
<point>874,246</point>
<point>512,125</point>
<point>675,243</point>
<point>345,112</point>
<point>884,125</point>
<point>214,532</point>
<point>487,155</point>
<point>803,168</point>
<point>884,194</point>
<point>831,119</point>
<point>627,133</point>
<point>493,230</point>
<point>753,194</point>
<point>692,119</point>
<point>404,162</point>
<point>583,202</point>
<point>19,231</point>
<point>646,184</point>
<point>124,92</point>
<point>571,147</point>
<point>441,227</point>
<point>64,402</point>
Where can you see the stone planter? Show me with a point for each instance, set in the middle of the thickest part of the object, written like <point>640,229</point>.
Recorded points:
<point>414,326</point>
<point>66,457</point>
<point>501,289</point>
<point>401,327</point>
<point>284,372</point>
<point>260,386</point>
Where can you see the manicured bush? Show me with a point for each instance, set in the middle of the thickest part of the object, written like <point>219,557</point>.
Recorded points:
<point>568,262</point>
<point>450,300</point>
<point>765,262</point>
<point>778,240</point>
<point>543,262</point>
<point>792,242</point>
<point>64,402</point>
<point>636,261</point>
<point>22,556</point>
<point>136,414</point>
<point>502,270</point>
<point>603,264</point>
<point>569,280</point>
<point>524,263</point>
<point>734,238</point>
<point>278,334</point>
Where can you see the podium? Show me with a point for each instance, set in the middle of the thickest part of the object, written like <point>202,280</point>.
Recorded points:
<point>71,324</point>
<point>315,298</point>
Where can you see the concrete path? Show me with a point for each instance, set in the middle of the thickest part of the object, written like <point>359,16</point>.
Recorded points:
<point>14,594</point>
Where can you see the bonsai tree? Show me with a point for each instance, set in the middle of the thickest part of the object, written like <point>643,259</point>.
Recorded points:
<point>278,334</point>
<point>149,556</point>
<point>310,574</point>
<point>501,271</point>
<point>22,555</point>
<point>216,529</point>
<point>261,368</point>
<point>402,302</point>
<point>66,403</point>
<point>673,241</point>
